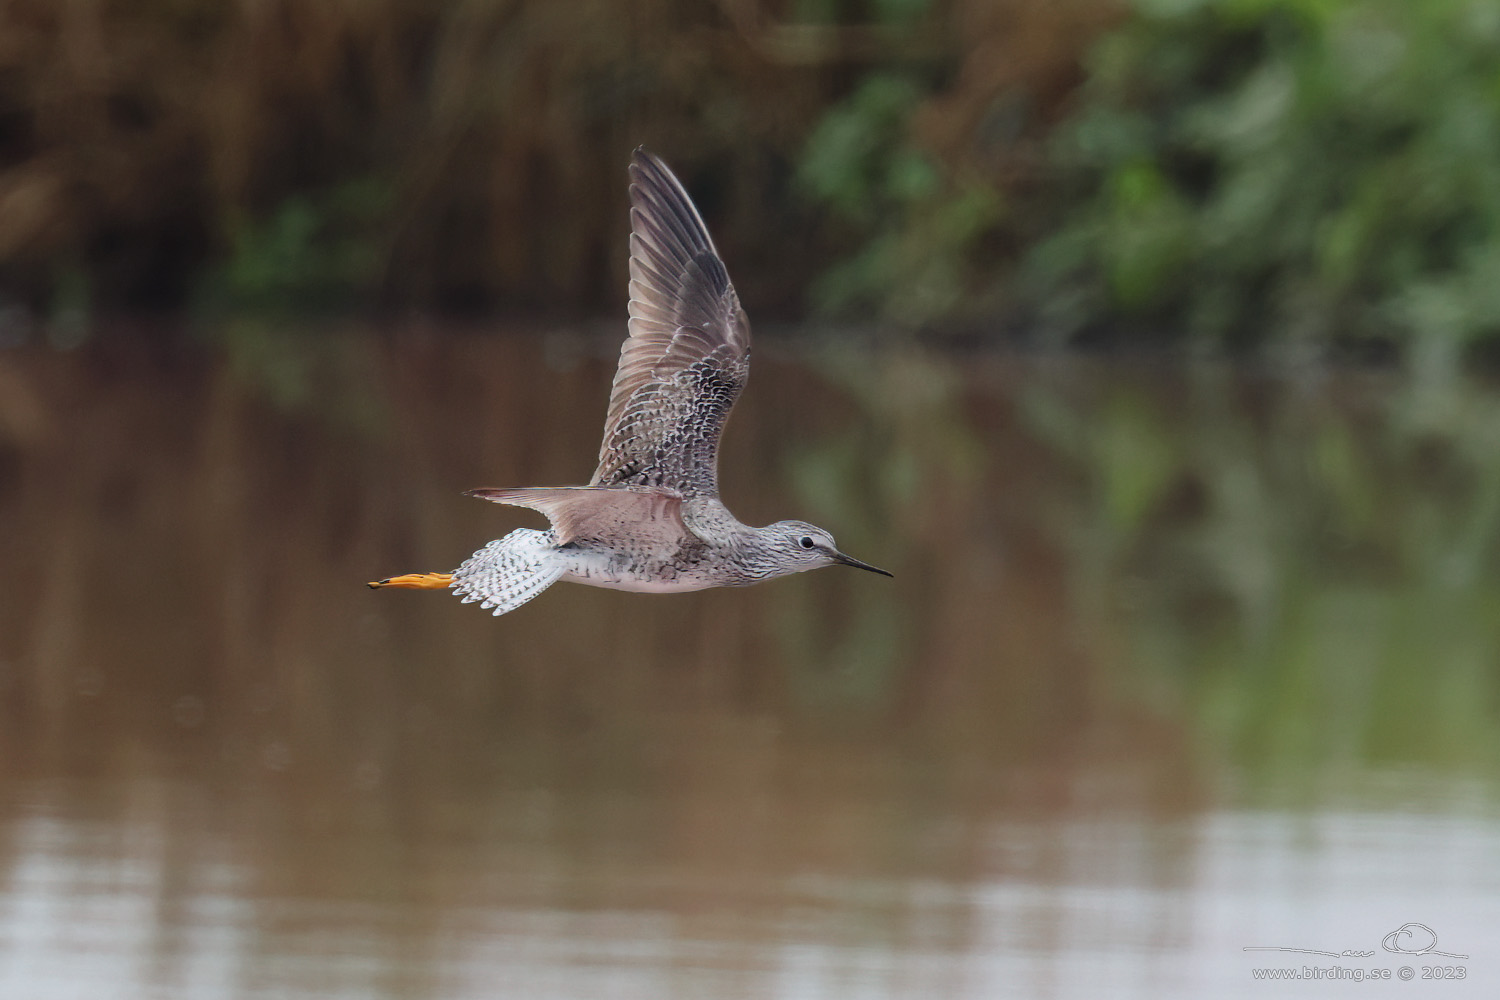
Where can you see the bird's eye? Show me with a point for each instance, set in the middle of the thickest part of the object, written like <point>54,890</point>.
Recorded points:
<point>807,542</point>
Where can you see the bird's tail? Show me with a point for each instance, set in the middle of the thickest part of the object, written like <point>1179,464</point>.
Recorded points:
<point>509,571</point>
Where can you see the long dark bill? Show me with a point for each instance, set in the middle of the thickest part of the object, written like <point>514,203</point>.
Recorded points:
<point>851,561</point>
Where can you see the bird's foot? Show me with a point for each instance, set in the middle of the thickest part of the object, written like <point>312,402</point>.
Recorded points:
<point>415,581</point>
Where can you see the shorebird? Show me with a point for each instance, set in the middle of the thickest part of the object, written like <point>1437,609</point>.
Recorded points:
<point>651,519</point>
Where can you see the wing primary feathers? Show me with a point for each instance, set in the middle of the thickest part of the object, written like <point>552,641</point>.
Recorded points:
<point>687,356</point>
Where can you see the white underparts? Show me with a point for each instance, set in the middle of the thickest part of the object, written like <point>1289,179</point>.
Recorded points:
<point>599,569</point>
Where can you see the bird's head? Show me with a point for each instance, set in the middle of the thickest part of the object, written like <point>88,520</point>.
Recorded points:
<point>801,546</point>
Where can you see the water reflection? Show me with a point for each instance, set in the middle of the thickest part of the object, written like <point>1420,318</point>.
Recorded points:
<point>1175,663</point>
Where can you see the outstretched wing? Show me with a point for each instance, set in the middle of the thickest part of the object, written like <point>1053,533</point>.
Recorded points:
<point>688,352</point>
<point>638,513</point>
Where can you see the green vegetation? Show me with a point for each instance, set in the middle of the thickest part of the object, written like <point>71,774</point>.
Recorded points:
<point>310,255</point>
<point>919,233</point>
<point>1297,176</point>
<point>280,156</point>
<point>1284,172</point>
<point>1291,174</point>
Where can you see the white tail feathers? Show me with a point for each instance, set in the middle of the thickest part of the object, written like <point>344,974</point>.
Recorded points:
<point>509,571</point>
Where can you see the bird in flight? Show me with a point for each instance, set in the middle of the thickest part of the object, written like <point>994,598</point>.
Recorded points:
<point>650,519</point>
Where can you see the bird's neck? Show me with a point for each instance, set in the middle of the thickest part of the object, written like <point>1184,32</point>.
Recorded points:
<point>710,520</point>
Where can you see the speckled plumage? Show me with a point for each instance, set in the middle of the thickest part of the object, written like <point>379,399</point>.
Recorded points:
<point>509,571</point>
<point>688,353</point>
<point>650,518</point>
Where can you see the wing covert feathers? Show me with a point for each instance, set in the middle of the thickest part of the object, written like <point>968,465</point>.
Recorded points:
<point>600,511</point>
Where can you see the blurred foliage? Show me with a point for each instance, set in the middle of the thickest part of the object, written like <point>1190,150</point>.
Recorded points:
<point>918,231</point>
<point>311,255</point>
<point>284,156</point>
<point>1227,173</point>
<point>1286,171</point>
<point>929,169</point>
<point>1290,174</point>
<point>389,152</point>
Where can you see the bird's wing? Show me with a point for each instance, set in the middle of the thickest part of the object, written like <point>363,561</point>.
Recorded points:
<point>688,352</point>
<point>639,513</point>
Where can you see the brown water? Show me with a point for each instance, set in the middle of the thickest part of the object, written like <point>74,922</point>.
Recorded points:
<point>1176,662</point>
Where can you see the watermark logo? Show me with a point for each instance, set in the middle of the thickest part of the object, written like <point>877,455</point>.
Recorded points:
<point>1415,939</point>
<point>1408,939</point>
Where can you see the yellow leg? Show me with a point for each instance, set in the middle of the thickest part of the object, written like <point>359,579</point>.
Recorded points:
<point>415,581</point>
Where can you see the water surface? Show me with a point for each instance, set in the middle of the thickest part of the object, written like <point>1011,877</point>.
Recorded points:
<point>1177,661</point>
